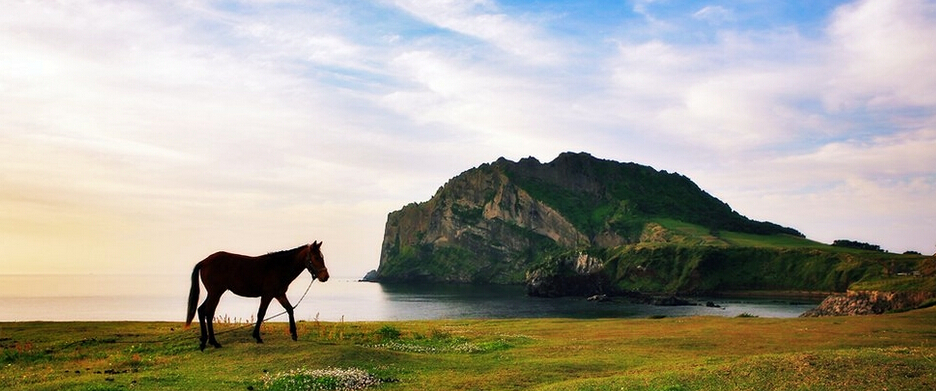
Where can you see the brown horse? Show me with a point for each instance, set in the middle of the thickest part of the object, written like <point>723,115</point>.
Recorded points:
<point>267,277</point>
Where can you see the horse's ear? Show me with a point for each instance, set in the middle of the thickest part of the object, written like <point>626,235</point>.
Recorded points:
<point>316,244</point>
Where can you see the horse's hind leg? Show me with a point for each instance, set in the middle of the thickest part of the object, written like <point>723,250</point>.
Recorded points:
<point>264,303</point>
<point>206,313</point>
<point>203,328</point>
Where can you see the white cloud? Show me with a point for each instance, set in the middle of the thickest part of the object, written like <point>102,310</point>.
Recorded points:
<point>484,20</point>
<point>734,94</point>
<point>881,55</point>
<point>114,114</point>
<point>755,89</point>
<point>714,14</point>
<point>883,158</point>
<point>479,103</point>
<point>642,7</point>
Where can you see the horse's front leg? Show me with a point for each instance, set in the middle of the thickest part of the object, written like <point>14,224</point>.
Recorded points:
<point>264,303</point>
<point>289,310</point>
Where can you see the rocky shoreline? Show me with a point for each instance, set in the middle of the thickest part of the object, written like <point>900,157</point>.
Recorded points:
<point>583,281</point>
<point>870,303</point>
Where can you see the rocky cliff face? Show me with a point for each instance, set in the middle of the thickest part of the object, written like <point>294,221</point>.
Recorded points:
<point>869,303</point>
<point>570,275</point>
<point>479,227</point>
<point>490,224</point>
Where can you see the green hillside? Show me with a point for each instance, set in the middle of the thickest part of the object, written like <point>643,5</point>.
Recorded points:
<point>598,195</point>
<point>678,257</point>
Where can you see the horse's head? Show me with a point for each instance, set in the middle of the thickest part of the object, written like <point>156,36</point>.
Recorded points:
<point>315,262</point>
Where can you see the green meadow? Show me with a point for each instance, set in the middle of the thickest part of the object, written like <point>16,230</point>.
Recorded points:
<point>886,352</point>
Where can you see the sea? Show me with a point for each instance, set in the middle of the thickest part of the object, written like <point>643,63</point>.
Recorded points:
<point>163,298</point>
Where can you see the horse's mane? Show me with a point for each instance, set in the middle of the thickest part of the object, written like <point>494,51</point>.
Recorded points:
<point>284,254</point>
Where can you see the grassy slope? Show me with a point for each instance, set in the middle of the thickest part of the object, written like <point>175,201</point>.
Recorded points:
<point>896,351</point>
<point>679,252</point>
<point>696,234</point>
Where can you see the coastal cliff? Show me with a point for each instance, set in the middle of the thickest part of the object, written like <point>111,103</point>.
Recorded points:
<point>496,222</point>
<point>580,225</point>
<point>478,228</point>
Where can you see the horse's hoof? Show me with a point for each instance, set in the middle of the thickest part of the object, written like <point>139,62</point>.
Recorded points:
<point>202,347</point>
<point>295,338</point>
<point>259,340</point>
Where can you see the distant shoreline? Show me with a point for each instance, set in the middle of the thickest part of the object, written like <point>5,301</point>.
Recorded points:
<point>812,295</point>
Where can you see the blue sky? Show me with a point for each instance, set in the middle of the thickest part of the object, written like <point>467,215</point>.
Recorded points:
<point>142,136</point>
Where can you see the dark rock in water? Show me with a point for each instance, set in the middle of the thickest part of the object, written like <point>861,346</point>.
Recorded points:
<point>711,304</point>
<point>371,276</point>
<point>599,298</point>
<point>671,301</point>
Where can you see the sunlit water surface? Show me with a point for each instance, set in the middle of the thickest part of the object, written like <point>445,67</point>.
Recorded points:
<point>163,298</point>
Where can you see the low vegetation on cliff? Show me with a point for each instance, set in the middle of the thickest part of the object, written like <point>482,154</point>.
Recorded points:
<point>651,231</point>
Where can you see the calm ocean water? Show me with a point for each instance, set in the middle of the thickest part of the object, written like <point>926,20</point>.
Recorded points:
<point>163,298</point>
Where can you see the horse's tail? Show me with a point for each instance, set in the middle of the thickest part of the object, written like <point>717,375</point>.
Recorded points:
<point>193,296</point>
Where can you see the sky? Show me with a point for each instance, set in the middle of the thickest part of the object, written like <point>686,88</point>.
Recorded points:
<point>142,136</point>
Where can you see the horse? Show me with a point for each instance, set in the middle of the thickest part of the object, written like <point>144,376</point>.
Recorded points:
<point>266,276</point>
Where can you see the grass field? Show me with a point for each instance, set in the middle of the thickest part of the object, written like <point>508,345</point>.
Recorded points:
<point>889,352</point>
